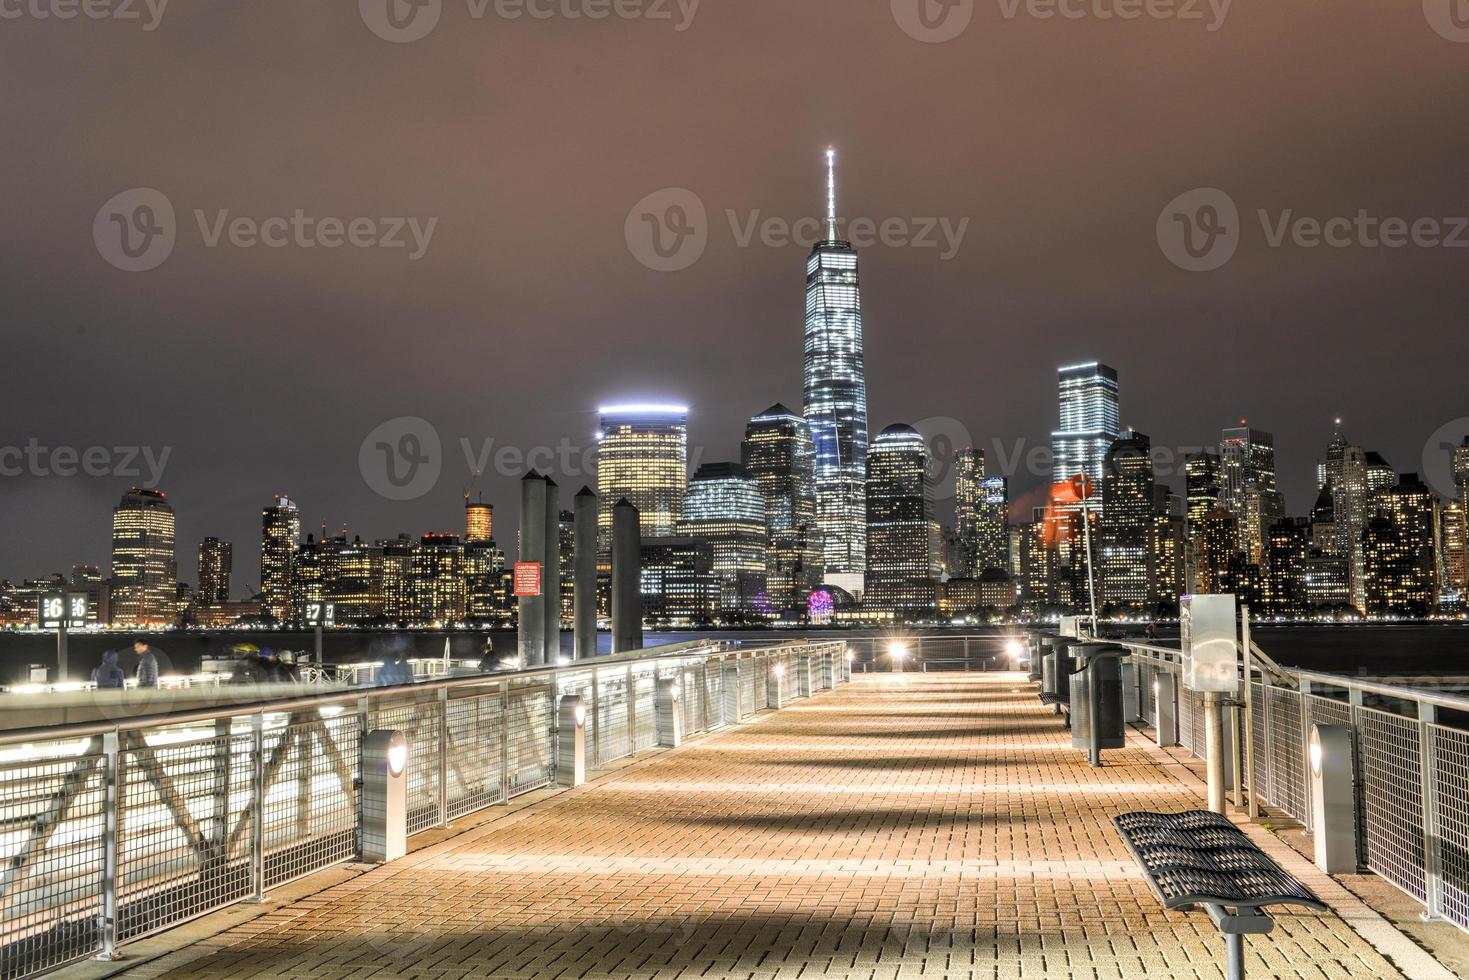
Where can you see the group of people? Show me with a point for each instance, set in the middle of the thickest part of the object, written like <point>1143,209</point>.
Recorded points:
<point>110,677</point>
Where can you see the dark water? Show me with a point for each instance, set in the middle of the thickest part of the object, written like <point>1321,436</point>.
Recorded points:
<point>1375,650</point>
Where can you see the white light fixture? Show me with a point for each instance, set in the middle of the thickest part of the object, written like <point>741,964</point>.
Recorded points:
<point>398,757</point>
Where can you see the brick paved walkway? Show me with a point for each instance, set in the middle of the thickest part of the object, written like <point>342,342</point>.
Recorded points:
<point>922,826</point>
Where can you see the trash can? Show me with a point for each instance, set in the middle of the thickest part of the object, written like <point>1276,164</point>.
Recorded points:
<point>1096,700</point>
<point>1037,649</point>
<point>1064,647</point>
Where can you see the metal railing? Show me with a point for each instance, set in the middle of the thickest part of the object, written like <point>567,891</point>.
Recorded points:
<point>116,830</point>
<point>932,652</point>
<point>1412,772</point>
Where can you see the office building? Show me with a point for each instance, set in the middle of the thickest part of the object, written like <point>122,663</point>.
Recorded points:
<point>642,457</point>
<point>215,560</point>
<point>280,539</point>
<point>903,550</point>
<point>1090,420</point>
<point>144,568</point>
<point>725,507</point>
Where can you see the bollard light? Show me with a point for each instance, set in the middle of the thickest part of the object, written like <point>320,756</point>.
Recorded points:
<point>668,713</point>
<point>384,796</point>
<point>1333,802</point>
<point>571,751</point>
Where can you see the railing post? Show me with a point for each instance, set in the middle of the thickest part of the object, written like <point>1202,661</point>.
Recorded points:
<point>593,732</point>
<point>1268,710</point>
<point>1305,759</point>
<point>112,774</point>
<point>1354,696</point>
<point>257,808</point>
<point>1432,845</point>
<point>632,711</point>
<point>443,705</point>
<point>505,742</point>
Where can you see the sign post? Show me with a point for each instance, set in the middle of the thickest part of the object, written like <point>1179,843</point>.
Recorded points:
<point>320,615</point>
<point>1207,634</point>
<point>1085,486</point>
<point>60,610</point>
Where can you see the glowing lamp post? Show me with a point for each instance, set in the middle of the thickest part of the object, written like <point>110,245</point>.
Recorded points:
<point>668,713</point>
<point>571,754</point>
<point>384,797</point>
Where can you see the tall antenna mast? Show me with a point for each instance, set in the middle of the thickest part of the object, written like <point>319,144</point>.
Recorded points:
<point>831,193</point>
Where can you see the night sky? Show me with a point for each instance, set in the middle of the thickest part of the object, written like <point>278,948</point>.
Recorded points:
<point>530,140</point>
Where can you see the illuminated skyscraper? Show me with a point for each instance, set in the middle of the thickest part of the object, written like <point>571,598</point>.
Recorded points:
<point>215,560</point>
<point>144,570</point>
<point>969,474</point>
<point>1090,421</point>
<point>642,456</point>
<point>1201,477</point>
<point>440,579</point>
<point>902,539</point>
<point>724,507</point>
<point>1247,486</point>
<point>780,458</point>
<point>992,525</point>
<point>835,403</point>
<point>479,521</point>
<point>1126,527</point>
<point>1398,551</point>
<point>280,537</point>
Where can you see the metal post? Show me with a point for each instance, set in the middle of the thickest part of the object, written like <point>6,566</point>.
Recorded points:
<point>1248,697</point>
<point>1086,526</point>
<point>531,638</point>
<point>1432,844</point>
<point>1354,696</point>
<point>443,706</point>
<point>1214,748</point>
<point>594,734</point>
<point>1305,759</point>
<point>584,576</point>
<point>632,711</point>
<point>112,774</point>
<point>504,741</point>
<point>61,656</point>
<point>1236,945</point>
<point>257,808</point>
<point>319,660</point>
<point>551,577</point>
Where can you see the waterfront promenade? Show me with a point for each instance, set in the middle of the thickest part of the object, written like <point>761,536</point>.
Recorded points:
<point>902,826</point>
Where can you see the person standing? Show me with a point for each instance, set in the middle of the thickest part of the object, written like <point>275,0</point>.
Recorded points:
<point>109,676</point>
<point>147,664</point>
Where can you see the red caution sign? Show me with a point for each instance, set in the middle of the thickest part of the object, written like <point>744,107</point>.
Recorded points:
<point>527,579</point>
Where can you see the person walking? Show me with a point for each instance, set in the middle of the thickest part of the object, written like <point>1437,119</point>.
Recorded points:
<point>147,664</point>
<point>109,676</point>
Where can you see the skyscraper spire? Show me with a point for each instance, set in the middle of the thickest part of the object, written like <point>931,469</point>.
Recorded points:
<point>831,193</point>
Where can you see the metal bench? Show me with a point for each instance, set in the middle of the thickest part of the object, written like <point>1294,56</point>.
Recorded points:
<point>1061,702</point>
<point>1201,858</point>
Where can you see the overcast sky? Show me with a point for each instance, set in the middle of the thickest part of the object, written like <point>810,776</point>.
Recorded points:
<point>520,147</point>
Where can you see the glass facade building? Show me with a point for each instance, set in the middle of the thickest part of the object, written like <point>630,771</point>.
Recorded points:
<point>642,456</point>
<point>902,538</point>
<point>724,507</point>
<point>779,456</point>
<point>835,400</point>
<point>1090,421</point>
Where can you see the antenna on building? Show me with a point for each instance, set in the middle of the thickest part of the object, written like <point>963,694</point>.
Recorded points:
<point>831,193</point>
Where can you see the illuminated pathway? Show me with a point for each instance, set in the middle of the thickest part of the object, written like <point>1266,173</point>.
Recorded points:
<point>928,826</point>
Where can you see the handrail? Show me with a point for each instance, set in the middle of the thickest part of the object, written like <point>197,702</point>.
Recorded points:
<point>61,733</point>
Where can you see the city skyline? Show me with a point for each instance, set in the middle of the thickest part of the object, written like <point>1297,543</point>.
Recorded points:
<point>265,369</point>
